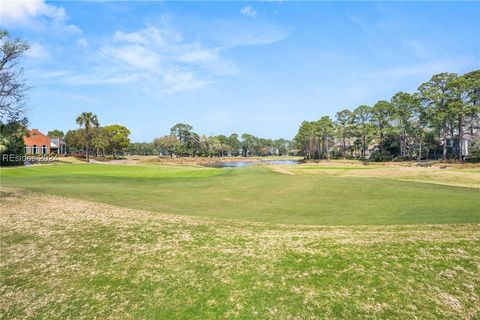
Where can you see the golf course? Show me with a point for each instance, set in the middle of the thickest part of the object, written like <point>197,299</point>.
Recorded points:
<point>154,240</point>
<point>197,160</point>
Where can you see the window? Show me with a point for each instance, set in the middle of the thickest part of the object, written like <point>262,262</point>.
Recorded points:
<point>34,149</point>
<point>44,149</point>
<point>27,149</point>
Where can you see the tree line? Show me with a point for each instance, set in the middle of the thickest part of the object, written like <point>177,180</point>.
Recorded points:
<point>183,141</point>
<point>438,121</point>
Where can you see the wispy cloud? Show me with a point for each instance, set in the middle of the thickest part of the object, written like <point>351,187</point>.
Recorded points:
<point>157,59</point>
<point>248,11</point>
<point>252,38</point>
<point>259,33</point>
<point>37,51</point>
<point>160,60</point>
<point>100,78</point>
<point>37,15</point>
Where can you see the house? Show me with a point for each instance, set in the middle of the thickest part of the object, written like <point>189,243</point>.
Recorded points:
<point>38,143</point>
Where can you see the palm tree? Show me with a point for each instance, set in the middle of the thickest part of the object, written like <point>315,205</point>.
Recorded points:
<point>87,120</point>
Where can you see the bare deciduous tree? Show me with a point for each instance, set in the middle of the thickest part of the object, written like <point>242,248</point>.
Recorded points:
<point>12,85</point>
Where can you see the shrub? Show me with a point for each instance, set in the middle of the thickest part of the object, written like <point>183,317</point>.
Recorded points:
<point>378,156</point>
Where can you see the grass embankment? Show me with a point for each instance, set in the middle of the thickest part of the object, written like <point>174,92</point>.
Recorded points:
<point>255,193</point>
<point>83,260</point>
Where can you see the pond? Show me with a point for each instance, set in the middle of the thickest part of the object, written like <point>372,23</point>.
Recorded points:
<point>239,164</point>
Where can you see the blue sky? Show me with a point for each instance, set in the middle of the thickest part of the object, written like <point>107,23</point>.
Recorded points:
<point>223,67</point>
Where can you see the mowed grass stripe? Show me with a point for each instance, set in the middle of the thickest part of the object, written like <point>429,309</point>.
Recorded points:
<point>255,194</point>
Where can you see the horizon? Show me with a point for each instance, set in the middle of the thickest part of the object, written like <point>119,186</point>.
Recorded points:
<point>243,67</point>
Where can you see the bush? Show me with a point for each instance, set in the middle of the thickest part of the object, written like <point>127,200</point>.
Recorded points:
<point>12,148</point>
<point>472,159</point>
<point>378,156</point>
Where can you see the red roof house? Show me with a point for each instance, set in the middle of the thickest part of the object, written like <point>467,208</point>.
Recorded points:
<point>38,143</point>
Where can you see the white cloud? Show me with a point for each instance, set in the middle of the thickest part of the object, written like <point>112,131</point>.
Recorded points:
<point>22,11</point>
<point>248,11</point>
<point>149,36</point>
<point>200,55</point>
<point>37,51</point>
<point>36,15</point>
<point>162,60</point>
<point>135,56</point>
<point>255,38</point>
<point>182,81</point>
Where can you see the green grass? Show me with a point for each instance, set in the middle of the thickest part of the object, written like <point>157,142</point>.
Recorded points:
<point>64,258</point>
<point>254,194</point>
<point>77,260</point>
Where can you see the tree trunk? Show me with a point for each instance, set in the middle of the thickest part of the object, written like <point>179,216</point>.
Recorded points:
<point>381,141</point>
<point>402,145</point>
<point>328,153</point>
<point>364,138</point>
<point>444,145</point>
<point>321,150</point>
<point>87,140</point>
<point>460,139</point>
<point>420,152</point>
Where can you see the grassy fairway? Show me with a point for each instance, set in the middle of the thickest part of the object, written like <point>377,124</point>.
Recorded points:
<point>255,194</point>
<point>64,259</point>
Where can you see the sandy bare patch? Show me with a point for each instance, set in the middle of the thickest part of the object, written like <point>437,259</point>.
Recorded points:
<point>281,170</point>
<point>434,174</point>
